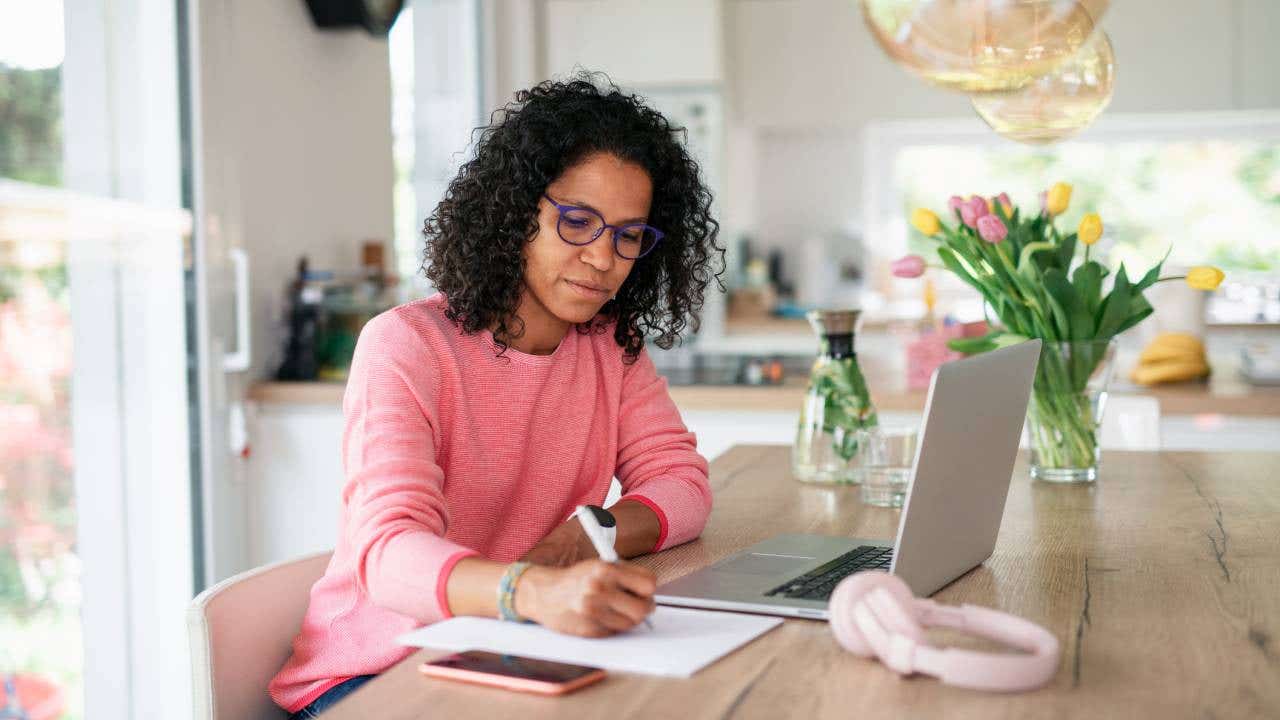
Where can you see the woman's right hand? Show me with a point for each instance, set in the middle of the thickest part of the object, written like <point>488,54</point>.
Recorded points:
<point>591,598</point>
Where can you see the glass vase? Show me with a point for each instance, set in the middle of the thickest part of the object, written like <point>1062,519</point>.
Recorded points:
<point>836,406</point>
<point>1065,413</point>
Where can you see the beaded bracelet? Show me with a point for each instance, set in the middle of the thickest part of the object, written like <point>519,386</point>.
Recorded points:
<point>507,593</point>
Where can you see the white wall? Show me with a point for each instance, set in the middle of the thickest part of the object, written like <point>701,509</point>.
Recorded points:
<point>297,127</point>
<point>806,77</point>
<point>639,42</point>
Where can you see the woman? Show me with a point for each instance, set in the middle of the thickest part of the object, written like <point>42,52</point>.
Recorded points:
<point>479,418</point>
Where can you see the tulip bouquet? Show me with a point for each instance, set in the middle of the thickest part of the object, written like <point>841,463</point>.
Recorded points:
<point>1029,274</point>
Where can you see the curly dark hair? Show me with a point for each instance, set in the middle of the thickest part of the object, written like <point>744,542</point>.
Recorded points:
<point>476,234</point>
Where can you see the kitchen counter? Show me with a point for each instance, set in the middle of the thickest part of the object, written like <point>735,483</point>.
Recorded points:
<point>1225,393</point>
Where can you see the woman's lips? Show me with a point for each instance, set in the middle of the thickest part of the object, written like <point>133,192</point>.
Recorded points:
<point>587,291</point>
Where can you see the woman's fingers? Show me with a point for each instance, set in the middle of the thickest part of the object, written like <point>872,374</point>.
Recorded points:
<point>613,619</point>
<point>587,627</point>
<point>630,607</point>
<point>599,598</point>
<point>636,580</point>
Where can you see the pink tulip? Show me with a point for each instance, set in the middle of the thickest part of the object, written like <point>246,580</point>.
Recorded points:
<point>1004,202</point>
<point>955,203</point>
<point>1044,202</point>
<point>991,229</point>
<point>974,208</point>
<point>909,266</point>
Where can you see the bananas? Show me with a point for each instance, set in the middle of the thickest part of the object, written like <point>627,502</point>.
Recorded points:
<point>1171,357</point>
<point>1169,371</point>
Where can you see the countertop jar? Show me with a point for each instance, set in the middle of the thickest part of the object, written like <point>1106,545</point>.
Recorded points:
<point>836,406</point>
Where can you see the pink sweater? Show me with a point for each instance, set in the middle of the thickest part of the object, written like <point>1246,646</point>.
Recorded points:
<point>451,452</point>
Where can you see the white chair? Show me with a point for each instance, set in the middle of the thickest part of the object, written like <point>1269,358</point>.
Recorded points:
<point>241,631</point>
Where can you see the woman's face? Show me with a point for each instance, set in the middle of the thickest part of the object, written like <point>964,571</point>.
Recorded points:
<point>567,284</point>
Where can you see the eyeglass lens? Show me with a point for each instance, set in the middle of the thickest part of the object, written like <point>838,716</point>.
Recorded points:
<point>579,227</point>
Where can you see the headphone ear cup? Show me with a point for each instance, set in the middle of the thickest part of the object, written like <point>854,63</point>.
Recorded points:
<point>853,590</point>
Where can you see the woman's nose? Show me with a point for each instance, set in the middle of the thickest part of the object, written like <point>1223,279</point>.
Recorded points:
<point>599,252</point>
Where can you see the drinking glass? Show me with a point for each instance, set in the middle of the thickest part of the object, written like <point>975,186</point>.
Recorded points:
<point>885,459</point>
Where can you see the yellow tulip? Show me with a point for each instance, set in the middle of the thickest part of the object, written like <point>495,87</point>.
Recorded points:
<point>1090,228</point>
<point>1205,277</point>
<point>1058,198</point>
<point>925,221</point>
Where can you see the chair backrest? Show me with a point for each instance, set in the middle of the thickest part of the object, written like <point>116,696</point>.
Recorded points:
<point>241,632</point>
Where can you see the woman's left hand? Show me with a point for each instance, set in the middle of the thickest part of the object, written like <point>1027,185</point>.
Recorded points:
<point>566,545</point>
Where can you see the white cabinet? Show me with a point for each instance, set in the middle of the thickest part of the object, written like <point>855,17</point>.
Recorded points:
<point>295,480</point>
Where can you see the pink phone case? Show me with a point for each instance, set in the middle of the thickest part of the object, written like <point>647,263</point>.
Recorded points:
<point>541,687</point>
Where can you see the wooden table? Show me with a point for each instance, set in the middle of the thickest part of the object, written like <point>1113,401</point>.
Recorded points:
<point>1162,582</point>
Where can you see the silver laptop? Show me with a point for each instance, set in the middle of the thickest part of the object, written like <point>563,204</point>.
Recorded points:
<point>952,512</point>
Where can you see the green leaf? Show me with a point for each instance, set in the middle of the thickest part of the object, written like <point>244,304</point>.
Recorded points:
<point>990,341</point>
<point>1025,266</point>
<point>1068,301</point>
<point>1139,309</point>
<point>1153,274</point>
<point>1066,251</point>
<point>971,346</point>
<point>1116,308</point>
<point>1088,282</point>
<point>1060,317</point>
<point>953,264</point>
<point>1006,339</point>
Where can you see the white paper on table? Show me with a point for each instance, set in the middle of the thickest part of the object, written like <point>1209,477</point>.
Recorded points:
<point>682,641</point>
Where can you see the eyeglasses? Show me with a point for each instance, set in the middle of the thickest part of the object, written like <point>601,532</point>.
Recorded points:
<point>582,226</point>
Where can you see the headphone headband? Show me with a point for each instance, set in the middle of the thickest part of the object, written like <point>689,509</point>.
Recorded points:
<point>875,614</point>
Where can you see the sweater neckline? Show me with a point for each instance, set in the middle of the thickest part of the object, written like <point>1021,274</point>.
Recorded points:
<point>526,358</point>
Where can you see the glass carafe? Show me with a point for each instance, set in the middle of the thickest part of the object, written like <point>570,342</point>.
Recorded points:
<point>836,405</point>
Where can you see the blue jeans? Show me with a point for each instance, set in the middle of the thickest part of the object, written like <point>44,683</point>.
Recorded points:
<point>331,697</point>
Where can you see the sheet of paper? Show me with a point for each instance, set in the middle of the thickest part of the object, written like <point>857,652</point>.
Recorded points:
<point>682,641</point>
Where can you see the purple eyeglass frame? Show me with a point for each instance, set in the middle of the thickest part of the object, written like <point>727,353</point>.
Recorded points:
<point>603,226</point>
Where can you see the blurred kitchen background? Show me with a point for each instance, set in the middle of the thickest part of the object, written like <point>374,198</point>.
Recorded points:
<point>204,200</point>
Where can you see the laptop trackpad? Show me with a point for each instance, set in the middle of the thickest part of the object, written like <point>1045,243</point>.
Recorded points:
<point>757,564</point>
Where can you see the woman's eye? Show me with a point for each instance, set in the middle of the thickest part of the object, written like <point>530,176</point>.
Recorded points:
<point>631,236</point>
<point>577,222</point>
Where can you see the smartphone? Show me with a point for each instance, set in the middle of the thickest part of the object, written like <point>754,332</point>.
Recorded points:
<point>512,672</point>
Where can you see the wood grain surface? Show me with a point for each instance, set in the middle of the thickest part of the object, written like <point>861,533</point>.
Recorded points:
<point>1162,582</point>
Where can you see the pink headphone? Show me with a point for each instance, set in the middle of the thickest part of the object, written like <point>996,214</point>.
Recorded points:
<point>874,614</point>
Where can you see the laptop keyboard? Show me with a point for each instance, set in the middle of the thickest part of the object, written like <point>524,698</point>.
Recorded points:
<point>819,583</point>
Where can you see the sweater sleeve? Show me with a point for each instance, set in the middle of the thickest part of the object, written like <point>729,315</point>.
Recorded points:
<point>395,508</point>
<point>658,460</point>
